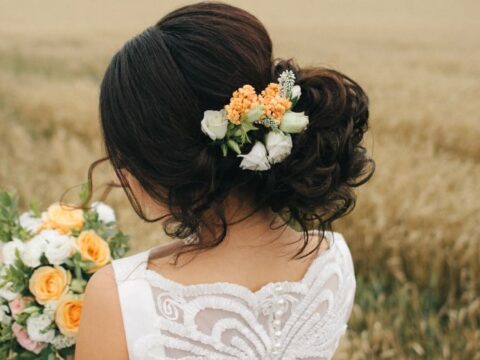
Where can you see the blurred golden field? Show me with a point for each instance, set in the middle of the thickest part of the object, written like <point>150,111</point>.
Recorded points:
<point>415,233</point>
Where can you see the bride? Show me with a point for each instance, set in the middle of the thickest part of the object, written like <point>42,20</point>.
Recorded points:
<point>246,160</point>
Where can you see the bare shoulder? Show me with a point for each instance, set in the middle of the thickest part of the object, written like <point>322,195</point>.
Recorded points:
<point>101,334</point>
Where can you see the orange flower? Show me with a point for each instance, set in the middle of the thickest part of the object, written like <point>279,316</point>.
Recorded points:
<point>92,247</point>
<point>275,105</point>
<point>49,283</point>
<point>62,218</point>
<point>242,101</point>
<point>67,315</point>
<point>272,90</point>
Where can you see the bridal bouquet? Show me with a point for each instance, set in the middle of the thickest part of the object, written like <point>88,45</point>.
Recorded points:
<point>46,260</point>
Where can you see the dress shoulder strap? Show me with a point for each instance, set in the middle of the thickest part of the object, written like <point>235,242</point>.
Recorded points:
<point>130,267</point>
<point>135,297</point>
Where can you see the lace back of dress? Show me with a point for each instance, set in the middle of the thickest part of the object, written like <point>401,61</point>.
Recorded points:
<point>283,320</point>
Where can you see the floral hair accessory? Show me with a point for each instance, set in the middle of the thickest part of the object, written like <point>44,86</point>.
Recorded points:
<point>229,127</point>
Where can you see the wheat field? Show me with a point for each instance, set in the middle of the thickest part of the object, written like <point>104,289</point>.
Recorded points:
<point>415,233</point>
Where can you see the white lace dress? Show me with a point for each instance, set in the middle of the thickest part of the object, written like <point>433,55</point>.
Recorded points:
<point>289,320</point>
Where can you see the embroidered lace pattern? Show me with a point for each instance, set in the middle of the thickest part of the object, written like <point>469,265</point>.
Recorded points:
<point>289,320</point>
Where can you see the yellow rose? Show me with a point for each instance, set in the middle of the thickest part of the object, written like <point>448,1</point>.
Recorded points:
<point>63,218</point>
<point>49,283</point>
<point>67,314</point>
<point>93,247</point>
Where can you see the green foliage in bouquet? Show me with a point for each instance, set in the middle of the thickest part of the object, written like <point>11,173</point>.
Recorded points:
<point>9,226</point>
<point>46,261</point>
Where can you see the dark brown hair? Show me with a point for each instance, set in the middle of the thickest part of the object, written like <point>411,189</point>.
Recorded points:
<point>152,100</point>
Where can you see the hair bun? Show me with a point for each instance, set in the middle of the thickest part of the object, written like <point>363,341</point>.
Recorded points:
<point>315,181</point>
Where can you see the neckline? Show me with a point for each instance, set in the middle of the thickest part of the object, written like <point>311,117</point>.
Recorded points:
<point>157,278</point>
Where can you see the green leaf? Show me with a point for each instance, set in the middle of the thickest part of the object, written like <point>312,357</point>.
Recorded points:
<point>234,146</point>
<point>91,221</point>
<point>6,198</point>
<point>78,285</point>
<point>246,126</point>
<point>119,245</point>
<point>67,351</point>
<point>69,263</point>
<point>47,354</point>
<point>84,193</point>
<point>9,226</point>
<point>35,209</point>
<point>6,334</point>
<point>44,260</point>
<point>16,275</point>
<point>32,309</point>
<point>22,318</point>
<point>75,232</point>
<point>294,101</point>
<point>78,269</point>
<point>224,149</point>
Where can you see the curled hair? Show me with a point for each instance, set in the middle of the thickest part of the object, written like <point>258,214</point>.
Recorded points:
<point>152,99</point>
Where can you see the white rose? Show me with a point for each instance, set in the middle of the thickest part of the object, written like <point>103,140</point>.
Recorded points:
<point>105,212</point>
<point>8,250</point>
<point>256,159</point>
<point>278,145</point>
<point>36,326</point>
<point>29,222</point>
<point>214,124</point>
<point>293,122</point>
<point>296,92</point>
<point>34,249</point>
<point>59,248</point>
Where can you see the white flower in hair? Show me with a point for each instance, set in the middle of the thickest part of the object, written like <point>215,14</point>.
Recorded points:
<point>294,122</point>
<point>256,159</point>
<point>279,146</point>
<point>296,92</point>
<point>214,124</point>
<point>246,110</point>
<point>286,81</point>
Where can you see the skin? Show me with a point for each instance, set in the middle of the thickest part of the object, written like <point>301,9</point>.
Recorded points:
<point>267,253</point>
